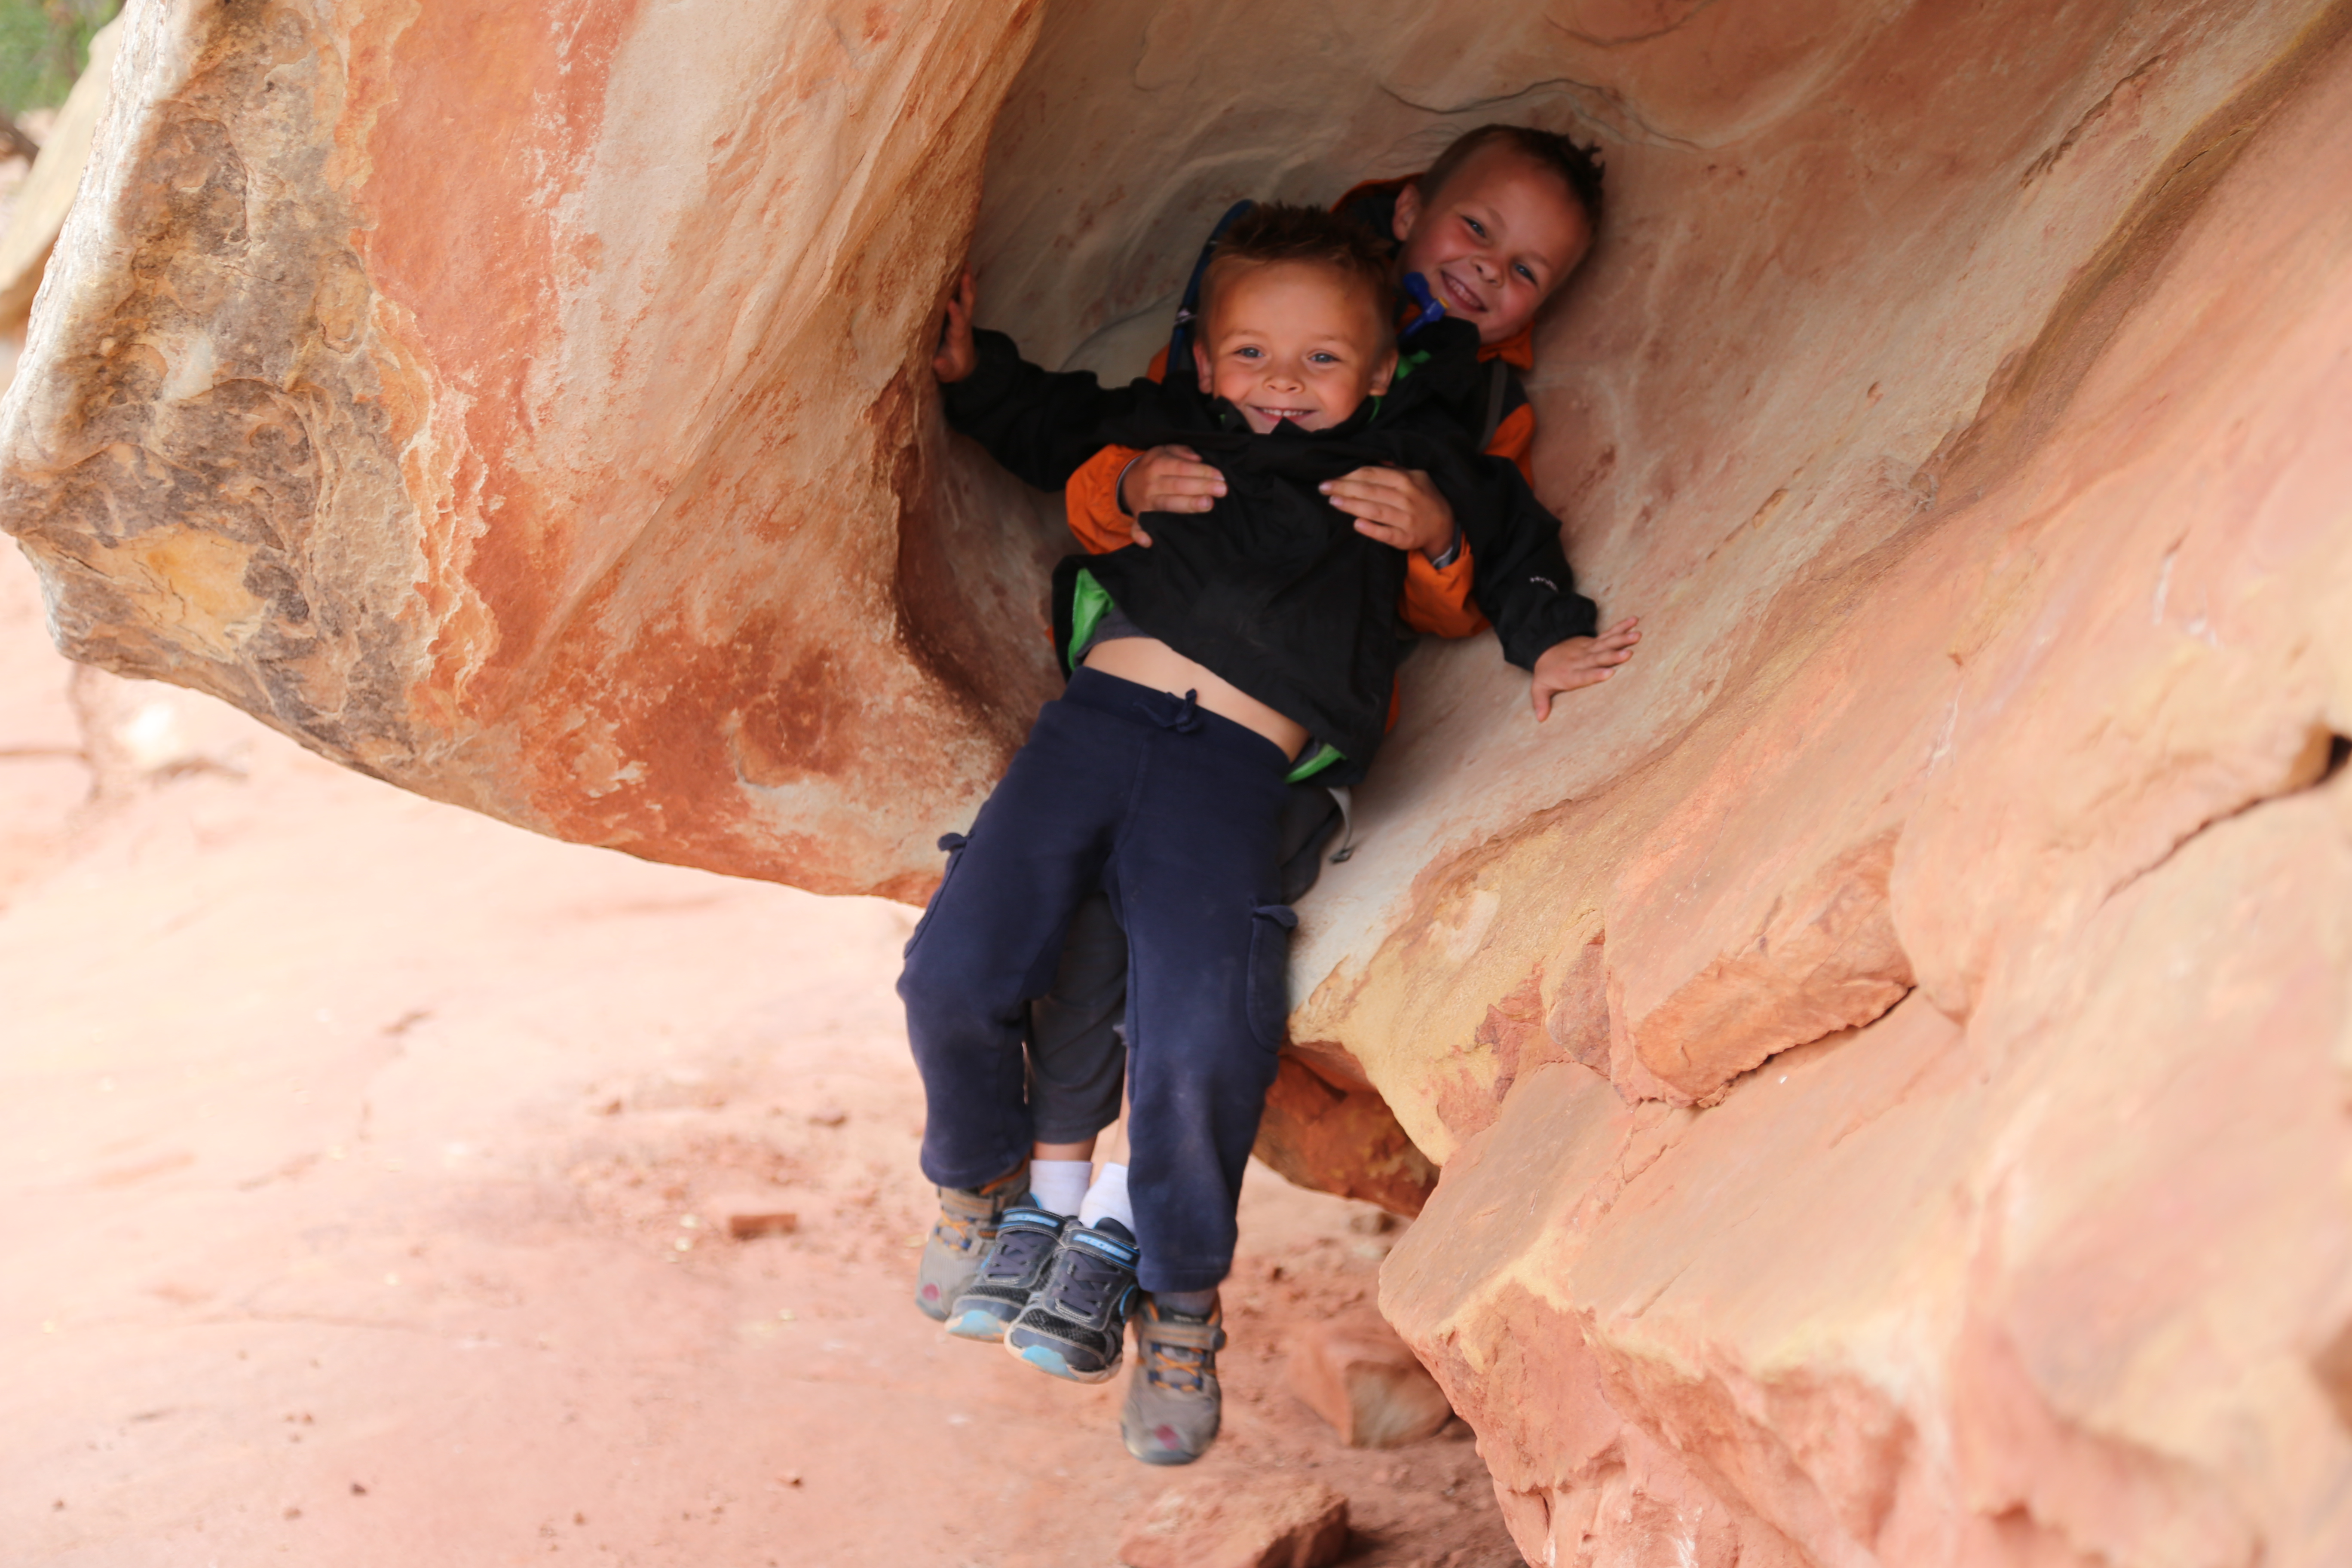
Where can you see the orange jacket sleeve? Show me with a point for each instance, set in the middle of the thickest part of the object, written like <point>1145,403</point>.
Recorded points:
<point>1091,502</point>
<point>1438,603</point>
<point>1437,600</point>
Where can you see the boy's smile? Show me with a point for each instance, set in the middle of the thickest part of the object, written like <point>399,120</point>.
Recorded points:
<point>1494,241</point>
<point>1297,340</point>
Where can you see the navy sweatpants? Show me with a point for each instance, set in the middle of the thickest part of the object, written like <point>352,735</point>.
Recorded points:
<point>1173,813</point>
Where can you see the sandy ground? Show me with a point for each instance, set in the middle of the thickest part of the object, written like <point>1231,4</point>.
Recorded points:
<point>365,1162</point>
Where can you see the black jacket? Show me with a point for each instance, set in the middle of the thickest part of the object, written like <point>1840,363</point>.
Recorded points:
<point>1273,587</point>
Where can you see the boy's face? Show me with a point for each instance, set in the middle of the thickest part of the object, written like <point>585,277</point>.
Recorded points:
<point>1295,340</point>
<point>1495,240</point>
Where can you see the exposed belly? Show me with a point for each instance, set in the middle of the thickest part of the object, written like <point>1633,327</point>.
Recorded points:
<point>1147,661</point>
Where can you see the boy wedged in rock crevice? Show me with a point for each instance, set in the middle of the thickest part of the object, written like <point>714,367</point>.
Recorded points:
<point>1494,226</point>
<point>1261,630</point>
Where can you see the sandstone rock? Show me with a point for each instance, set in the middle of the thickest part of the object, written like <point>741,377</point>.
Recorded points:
<point>1360,1376</point>
<point>1342,1140</point>
<point>1267,1521</point>
<point>481,461</point>
<point>1956,393</point>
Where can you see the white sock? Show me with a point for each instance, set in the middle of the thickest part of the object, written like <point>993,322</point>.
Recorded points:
<point>1059,1185</point>
<point>1106,1199</point>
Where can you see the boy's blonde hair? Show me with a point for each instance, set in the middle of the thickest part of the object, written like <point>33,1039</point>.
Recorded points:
<point>1277,231</point>
<point>1578,167</point>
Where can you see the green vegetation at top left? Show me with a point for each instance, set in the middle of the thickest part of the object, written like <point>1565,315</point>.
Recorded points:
<point>44,44</point>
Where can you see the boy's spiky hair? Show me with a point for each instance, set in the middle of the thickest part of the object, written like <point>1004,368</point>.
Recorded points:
<point>1277,231</point>
<point>1578,167</point>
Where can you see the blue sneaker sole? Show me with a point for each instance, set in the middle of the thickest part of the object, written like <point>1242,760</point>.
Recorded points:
<point>977,1324</point>
<point>1053,1363</point>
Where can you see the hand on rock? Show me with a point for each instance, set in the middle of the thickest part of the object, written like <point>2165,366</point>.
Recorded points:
<point>957,356</point>
<point>1578,662</point>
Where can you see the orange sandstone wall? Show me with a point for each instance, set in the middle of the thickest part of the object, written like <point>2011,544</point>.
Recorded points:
<point>1886,1052</point>
<point>523,404</point>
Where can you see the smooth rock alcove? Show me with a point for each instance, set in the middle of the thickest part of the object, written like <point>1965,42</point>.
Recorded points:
<point>1886,1052</point>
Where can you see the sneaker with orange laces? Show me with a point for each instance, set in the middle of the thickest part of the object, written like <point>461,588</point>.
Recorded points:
<point>967,1224</point>
<point>1173,1403</point>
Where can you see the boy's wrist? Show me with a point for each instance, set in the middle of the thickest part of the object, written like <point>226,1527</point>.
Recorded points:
<point>1118,490</point>
<point>1451,553</point>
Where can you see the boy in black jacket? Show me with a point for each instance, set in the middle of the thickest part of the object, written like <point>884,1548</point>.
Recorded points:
<point>1250,644</point>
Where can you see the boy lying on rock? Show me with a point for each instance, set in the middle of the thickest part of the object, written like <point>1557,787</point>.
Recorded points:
<point>1494,226</point>
<point>1255,635</point>
<point>1500,221</point>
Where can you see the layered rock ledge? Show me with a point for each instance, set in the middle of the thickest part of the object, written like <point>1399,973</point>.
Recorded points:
<point>1886,1054</point>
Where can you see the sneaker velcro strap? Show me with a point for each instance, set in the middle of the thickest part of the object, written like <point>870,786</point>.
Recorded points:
<point>1029,1217</point>
<point>965,1205</point>
<point>986,1203</point>
<point>1105,1247</point>
<point>1162,1330</point>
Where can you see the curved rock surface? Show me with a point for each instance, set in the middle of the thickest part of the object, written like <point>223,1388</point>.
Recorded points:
<point>1886,1052</point>
<point>523,406</point>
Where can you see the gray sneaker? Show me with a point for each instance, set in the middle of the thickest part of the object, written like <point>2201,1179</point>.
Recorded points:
<point>967,1224</point>
<point>1010,1272</point>
<point>1076,1324</point>
<point>1173,1403</point>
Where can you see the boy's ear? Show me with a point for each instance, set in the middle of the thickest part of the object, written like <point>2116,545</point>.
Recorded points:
<point>1201,362</point>
<point>1407,214</point>
<point>1385,374</point>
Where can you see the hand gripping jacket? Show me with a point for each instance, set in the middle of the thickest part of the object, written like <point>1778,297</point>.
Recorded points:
<point>1273,588</point>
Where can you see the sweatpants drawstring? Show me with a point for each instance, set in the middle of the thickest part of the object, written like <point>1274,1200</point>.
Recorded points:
<point>1187,719</point>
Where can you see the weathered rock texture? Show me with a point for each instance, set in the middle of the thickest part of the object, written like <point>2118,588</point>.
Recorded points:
<point>523,404</point>
<point>1266,1521</point>
<point>1355,1372</point>
<point>1887,1051</point>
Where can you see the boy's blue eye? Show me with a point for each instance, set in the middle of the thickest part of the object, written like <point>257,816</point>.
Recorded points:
<point>1325,358</point>
<point>1522,270</point>
<point>1476,228</point>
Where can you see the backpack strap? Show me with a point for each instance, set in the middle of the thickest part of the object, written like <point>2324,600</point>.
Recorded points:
<point>1347,800</point>
<point>1498,383</point>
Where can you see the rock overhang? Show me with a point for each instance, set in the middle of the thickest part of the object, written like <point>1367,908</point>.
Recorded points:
<point>1949,393</point>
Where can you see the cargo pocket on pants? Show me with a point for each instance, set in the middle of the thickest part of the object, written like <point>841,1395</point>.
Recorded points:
<point>1269,973</point>
<point>953,843</point>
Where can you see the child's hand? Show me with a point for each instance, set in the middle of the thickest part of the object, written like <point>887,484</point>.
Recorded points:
<point>1395,505</point>
<point>1580,662</point>
<point>1168,478</point>
<point>957,357</point>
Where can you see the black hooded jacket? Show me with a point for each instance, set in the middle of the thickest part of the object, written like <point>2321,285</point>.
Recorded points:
<point>1274,588</point>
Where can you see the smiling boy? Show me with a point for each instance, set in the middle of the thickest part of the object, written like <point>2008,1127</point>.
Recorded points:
<point>1494,226</point>
<point>1261,632</point>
